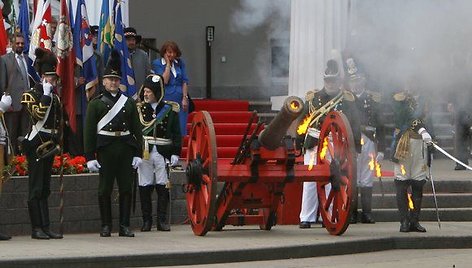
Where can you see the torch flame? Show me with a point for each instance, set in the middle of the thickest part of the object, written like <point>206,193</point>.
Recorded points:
<point>303,127</point>
<point>371,162</point>
<point>362,141</point>
<point>324,149</point>
<point>402,168</point>
<point>378,170</point>
<point>410,202</point>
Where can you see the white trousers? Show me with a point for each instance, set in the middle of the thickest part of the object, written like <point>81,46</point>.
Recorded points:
<point>365,175</point>
<point>153,171</point>
<point>414,166</point>
<point>310,201</point>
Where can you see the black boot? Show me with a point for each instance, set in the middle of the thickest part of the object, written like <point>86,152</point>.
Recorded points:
<point>417,197</point>
<point>366,202</point>
<point>35,217</point>
<point>145,193</point>
<point>104,203</point>
<point>162,204</point>
<point>43,203</point>
<point>402,203</point>
<point>355,201</point>
<point>4,237</point>
<point>125,212</point>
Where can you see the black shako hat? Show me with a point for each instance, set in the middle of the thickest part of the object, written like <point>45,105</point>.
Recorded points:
<point>113,68</point>
<point>46,62</point>
<point>155,83</point>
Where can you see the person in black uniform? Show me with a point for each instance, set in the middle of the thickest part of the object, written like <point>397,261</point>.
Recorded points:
<point>162,144</point>
<point>113,146</point>
<point>344,101</point>
<point>372,140</point>
<point>44,107</point>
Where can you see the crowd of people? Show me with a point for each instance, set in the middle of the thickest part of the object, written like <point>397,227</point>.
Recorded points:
<point>146,129</point>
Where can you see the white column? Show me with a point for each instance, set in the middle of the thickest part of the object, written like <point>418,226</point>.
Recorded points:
<point>317,27</point>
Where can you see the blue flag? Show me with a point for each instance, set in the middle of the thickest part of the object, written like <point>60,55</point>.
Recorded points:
<point>23,25</point>
<point>127,74</point>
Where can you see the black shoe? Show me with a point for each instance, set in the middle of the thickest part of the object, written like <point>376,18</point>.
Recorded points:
<point>416,227</point>
<point>146,226</point>
<point>38,233</point>
<point>163,226</point>
<point>51,234</point>
<point>353,218</point>
<point>4,237</point>
<point>405,226</point>
<point>125,231</point>
<point>459,167</point>
<point>304,225</point>
<point>106,231</point>
<point>367,218</point>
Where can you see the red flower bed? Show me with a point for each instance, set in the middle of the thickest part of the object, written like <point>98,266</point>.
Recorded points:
<point>76,165</point>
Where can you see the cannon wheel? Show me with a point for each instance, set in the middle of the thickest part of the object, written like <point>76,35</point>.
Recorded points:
<point>335,204</point>
<point>201,173</point>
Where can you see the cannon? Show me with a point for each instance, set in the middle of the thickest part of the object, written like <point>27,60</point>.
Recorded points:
<point>246,190</point>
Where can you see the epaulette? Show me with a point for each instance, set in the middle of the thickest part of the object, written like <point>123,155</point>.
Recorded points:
<point>376,96</point>
<point>97,97</point>
<point>175,105</point>
<point>310,94</point>
<point>400,96</point>
<point>347,95</point>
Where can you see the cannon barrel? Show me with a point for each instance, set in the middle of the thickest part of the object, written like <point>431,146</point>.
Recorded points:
<point>271,137</point>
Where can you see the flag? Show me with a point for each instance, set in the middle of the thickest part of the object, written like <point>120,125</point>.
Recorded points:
<point>3,33</point>
<point>66,63</point>
<point>24,26</point>
<point>41,30</point>
<point>84,56</point>
<point>127,74</point>
<point>106,30</point>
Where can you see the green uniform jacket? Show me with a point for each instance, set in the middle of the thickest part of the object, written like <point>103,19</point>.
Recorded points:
<point>126,120</point>
<point>162,123</point>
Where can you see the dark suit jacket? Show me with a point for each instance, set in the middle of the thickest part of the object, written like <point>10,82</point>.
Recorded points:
<point>11,79</point>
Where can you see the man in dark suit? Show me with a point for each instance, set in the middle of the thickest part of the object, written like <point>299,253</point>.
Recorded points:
<point>14,80</point>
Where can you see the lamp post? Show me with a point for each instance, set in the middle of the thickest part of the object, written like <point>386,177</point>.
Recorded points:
<point>210,35</point>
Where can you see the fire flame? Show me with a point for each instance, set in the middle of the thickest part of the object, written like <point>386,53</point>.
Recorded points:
<point>294,105</point>
<point>324,149</point>
<point>371,162</point>
<point>378,170</point>
<point>402,168</point>
<point>303,127</point>
<point>362,141</point>
<point>410,202</point>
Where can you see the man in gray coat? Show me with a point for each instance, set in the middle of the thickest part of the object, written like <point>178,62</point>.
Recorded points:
<point>139,58</point>
<point>14,80</point>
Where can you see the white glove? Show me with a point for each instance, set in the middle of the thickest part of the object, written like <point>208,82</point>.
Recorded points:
<point>47,88</point>
<point>5,103</point>
<point>425,136</point>
<point>313,132</point>
<point>380,157</point>
<point>174,160</point>
<point>93,165</point>
<point>136,162</point>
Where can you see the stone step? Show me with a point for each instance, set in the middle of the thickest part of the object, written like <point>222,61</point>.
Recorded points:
<point>427,214</point>
<point>445,200</point>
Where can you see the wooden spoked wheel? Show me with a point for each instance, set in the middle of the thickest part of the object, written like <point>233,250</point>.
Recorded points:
<point>201,174</point>
<point>336,147</point>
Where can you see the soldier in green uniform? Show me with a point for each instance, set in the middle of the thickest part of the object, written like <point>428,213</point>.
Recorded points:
<point>39,145</point>
<point>162,144</point>
<point>113,146</point>
<point>411,140</point>
<point>330,98</point>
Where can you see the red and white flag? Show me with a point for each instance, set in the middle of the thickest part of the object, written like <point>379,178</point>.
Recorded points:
<point>41,35</point>
<point>65,67</point>
<point>3,33</point>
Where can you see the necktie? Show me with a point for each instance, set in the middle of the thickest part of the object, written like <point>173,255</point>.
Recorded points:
<point>22,68</point>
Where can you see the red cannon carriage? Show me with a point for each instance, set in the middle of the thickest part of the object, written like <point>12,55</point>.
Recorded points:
<point>248,189</point>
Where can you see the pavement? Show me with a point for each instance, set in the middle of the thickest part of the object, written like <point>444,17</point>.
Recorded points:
<point>233,244</point>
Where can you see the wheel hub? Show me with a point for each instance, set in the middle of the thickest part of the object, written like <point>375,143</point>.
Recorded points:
<point>194,171</point>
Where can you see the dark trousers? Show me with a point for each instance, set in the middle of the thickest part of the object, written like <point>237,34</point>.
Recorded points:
<point>18,125</point>
<point>462,122</point>
<point>39,175</point>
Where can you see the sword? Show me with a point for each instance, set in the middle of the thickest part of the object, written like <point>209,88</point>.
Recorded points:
<point>430,159</point>
<point>437,147</point>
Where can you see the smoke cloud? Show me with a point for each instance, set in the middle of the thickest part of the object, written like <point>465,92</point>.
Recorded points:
<point>427,40</point>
